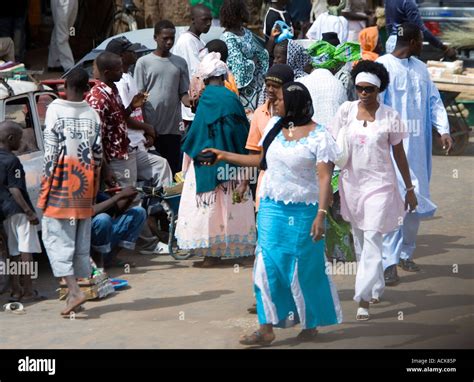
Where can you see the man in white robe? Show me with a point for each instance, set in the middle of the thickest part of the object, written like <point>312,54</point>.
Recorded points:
<point>412,93</point>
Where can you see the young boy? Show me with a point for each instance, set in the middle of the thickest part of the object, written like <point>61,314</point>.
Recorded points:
<point>15,205</point>
<point>72,160</point>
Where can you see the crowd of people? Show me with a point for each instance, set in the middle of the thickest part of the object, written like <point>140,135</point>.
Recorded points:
<point>216,111</point>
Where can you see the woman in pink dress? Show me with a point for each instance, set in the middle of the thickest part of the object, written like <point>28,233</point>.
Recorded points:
<point>370,199</point>
<point>216,213</point>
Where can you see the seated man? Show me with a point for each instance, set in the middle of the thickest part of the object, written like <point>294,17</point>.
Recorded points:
<point>116,225</point>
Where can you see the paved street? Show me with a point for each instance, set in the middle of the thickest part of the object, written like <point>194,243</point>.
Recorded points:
<point>170,304</point>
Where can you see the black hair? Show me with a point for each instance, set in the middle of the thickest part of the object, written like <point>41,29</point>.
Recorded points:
<point>299,112</point>
<point>375,68</point>
<point>163,24</point>
<point>107,61</point>
<point>198,8</point>
<point>77,79</point>
<point>8,128</point>
<point>333,3</point>
<point>220,47</point>
<point>407,32</point>
<point>234,13</point>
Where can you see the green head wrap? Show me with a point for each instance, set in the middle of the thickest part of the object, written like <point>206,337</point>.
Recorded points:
<point>327,56</point>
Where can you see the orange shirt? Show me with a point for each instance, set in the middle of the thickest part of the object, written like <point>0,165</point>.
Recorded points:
<point>259,122</point>
<point>230,83</point>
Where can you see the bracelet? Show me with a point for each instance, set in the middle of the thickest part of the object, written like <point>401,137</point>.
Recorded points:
<point>321,210</point>
<point>410,188</point>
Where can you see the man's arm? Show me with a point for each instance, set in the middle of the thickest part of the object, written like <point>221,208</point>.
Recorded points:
<point>439,118</point>
<point>51,153</point>
<point>20,200</point>
<point>121,200</point>
<point>134,124</point>
<point>185,100</point>
<point>413,14</point>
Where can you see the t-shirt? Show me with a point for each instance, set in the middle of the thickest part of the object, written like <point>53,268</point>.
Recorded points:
<point>328,23</point>
<point>12,175</point>
<point>166,80</point>
<point>188,47</point>
<point>72,159</point>
<point>127,88</point>
<point>271,17</point>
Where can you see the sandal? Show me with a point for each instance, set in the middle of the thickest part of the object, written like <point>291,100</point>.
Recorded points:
<point>374,301</point>
<point>35,297</point>
<point>208,262</point>
<point>362,314</point>
<point>256,338</point>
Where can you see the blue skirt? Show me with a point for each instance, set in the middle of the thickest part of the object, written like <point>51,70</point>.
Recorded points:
<point>290,280</point>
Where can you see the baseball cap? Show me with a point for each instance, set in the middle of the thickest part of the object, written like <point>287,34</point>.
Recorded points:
<point>122,44</point>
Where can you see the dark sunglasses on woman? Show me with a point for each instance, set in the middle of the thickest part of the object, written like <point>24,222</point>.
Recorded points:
<point>367,89</point>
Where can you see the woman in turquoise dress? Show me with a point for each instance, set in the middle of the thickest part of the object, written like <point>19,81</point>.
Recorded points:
<point>290,282</point>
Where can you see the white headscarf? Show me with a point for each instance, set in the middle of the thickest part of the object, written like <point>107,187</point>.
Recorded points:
<point>211,66</point>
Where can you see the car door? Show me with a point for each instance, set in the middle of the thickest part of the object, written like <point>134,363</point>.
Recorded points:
<point>22,109</point>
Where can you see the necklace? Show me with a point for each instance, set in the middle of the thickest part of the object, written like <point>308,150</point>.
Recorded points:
<point>270,109</point>
<point>291,128</point>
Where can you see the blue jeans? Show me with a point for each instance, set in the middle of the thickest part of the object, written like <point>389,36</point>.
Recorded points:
<point>122,231</point>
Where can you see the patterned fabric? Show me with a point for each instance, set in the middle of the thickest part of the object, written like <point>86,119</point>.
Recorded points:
<point>297,58</point>
<point>211,224</point>
<point>248,62</point>
<point>106,101</point>
<point>327,93</point>
<point>72,157</point>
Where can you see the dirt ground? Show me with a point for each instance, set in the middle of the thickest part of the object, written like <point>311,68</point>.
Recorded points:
<point>170,304</point>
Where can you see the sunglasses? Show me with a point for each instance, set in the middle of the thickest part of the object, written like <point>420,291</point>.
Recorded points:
<point>367,89</point>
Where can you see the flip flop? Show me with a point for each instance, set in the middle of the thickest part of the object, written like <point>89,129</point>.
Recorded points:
<point>119,283</point>
<point>14,307</point>
<point>36,297</point>
<point>78,303</point>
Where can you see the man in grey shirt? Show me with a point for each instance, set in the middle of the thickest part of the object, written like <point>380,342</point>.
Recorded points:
<point>164,76</point>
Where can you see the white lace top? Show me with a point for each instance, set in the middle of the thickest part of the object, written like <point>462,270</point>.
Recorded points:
<point>291,174</point>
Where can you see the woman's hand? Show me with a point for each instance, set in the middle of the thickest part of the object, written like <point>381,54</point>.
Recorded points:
<point>219,156</point>
<point>318,228</point>
<point>241,189</point>
<point>410,201</point>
